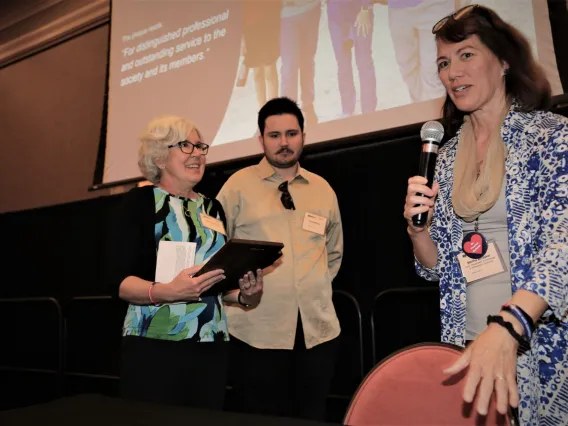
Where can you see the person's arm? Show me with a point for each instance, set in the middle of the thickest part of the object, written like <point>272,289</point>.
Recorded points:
<point>249,292</point>
<point>424,248</point>
<point>425,239</point>
<point>232,297</point>
<point>183,288</point>
<point>129,244</point>
<point>334,240</point>
<point>547,277</point>
<point>136,290</point>
<point>531,303</point>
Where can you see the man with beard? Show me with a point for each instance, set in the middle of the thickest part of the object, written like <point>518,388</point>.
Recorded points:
<point>283,351</point>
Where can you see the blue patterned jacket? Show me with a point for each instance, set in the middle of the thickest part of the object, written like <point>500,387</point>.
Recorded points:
<point>537,218</point>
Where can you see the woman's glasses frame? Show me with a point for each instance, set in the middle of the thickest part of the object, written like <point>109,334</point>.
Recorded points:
<point>187,147</point>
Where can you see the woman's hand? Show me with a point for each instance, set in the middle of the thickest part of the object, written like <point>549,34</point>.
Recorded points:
<point>418,204</point>
<point>186,288</point>
<point>251,287</point>
<point>492,361</point>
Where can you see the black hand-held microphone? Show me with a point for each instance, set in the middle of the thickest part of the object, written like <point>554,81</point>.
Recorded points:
<point>431,134</point>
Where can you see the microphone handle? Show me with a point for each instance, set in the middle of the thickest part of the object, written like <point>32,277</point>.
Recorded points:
<point>426,169</point>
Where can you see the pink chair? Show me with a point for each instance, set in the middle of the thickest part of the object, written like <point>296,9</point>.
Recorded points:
<point>409,388</point>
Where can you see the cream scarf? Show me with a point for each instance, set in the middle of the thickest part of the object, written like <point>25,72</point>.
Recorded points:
<point>477,187</point>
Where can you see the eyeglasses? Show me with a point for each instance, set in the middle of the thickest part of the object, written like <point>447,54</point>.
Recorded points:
<point>456,16</point>
<point>187,147</point>
<point>286,198</point>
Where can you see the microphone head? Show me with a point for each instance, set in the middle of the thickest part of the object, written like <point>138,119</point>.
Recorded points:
<point>432,131</point>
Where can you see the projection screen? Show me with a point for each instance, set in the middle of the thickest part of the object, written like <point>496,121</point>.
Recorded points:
<point>353,68</point>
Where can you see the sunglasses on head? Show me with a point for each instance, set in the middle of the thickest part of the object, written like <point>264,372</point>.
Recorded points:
<point>456,16</point>
<point>286,198</point>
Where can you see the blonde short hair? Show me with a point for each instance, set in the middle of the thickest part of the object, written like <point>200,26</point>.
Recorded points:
<point>161,132</point>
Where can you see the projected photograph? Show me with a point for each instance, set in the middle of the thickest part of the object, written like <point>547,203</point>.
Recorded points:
<point>354,66</point>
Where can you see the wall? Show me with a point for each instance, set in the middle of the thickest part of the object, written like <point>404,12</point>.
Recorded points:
<point>50,119</point>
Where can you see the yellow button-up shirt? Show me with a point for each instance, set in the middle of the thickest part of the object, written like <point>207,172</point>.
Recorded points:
<point>301,279</point>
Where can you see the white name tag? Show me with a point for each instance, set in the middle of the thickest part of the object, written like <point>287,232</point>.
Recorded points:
<point>478,269</point>
<point>314,223</point>
<point>212,223</point>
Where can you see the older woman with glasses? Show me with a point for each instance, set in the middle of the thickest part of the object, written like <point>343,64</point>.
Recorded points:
<point>174,346</point>
<point>498,234</point>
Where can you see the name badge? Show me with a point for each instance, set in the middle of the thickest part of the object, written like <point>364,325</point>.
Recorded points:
<point>212,223</point>
<point>490,264</point>
<point>314,223</point>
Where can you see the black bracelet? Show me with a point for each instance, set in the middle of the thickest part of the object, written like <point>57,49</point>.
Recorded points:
<point>241,302</point>
<point>521,316</point>
<point>508,326</point>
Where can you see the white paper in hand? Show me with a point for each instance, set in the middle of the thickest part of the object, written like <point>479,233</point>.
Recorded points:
<point>173,257</point>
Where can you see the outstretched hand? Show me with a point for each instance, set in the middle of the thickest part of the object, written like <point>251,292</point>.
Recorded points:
<point>492,362</point>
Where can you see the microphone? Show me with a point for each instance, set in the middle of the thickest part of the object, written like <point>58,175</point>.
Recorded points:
<point>431,134</point>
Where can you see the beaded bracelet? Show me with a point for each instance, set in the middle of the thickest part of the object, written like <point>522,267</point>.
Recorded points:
<point>152,301</point>
<point>508,326</point>
<point>524,318</point>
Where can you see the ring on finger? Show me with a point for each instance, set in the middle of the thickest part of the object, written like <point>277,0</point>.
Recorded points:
<point>499,377</point>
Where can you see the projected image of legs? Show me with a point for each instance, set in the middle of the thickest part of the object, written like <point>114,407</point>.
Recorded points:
<point>351,29</point>
<point>261,46</point>
<point>298,44</point>
<point>410,24</point>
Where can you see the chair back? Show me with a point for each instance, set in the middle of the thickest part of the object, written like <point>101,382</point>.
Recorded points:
<point>409,388</point>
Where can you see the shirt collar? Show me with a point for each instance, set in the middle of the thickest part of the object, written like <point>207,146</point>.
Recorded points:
<point>266,171</point>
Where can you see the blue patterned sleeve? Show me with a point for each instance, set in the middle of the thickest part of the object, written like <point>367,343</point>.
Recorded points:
<point>548,273</point>
<point>436,228</point>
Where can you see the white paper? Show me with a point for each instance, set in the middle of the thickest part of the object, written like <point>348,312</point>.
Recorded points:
<point>173,257</point>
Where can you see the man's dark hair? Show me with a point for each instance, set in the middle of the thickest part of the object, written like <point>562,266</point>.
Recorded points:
<point>279,106</point>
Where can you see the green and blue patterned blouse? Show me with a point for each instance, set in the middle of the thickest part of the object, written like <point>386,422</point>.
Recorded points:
<point>178,219</point>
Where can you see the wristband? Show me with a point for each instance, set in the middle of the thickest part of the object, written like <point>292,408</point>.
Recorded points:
<point>524,318</point>
<point>508,326</point>
<point>241,302</point>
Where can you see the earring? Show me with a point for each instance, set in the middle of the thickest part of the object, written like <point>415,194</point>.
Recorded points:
<point>505,72</point>
<point>162,167</point>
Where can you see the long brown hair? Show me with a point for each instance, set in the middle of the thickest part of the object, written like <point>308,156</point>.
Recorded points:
<point>525,81</point>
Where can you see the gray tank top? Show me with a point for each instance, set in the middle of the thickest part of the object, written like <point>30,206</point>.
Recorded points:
<point>486,296</point>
